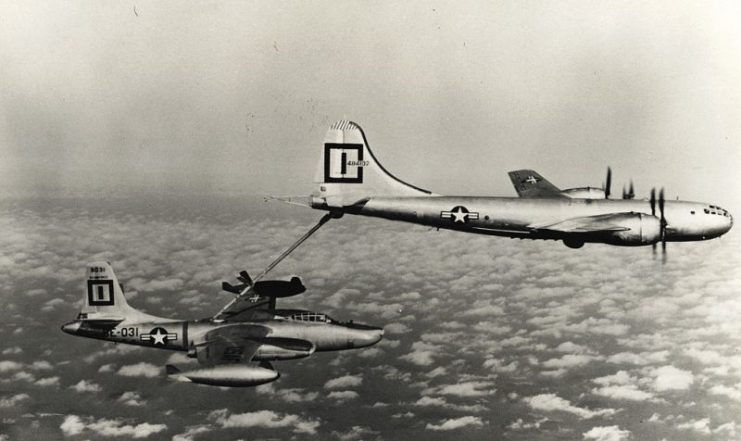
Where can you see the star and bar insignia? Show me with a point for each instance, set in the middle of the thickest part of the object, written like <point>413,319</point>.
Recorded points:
<point>459,215</point>
<point>159,336</point>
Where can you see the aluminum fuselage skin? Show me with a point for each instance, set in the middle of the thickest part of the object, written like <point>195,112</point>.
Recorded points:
<point>185,335</point>
<point>514,217</point>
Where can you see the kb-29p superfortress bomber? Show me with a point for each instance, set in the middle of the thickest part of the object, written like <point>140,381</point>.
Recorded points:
<point>235,346</point>
<point>351,180</point>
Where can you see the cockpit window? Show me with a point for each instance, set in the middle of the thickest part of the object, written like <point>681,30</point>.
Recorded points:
<point>311,317</point>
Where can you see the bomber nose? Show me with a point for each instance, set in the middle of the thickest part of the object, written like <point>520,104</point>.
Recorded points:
<point>71,327</point>
<point>729,223</point>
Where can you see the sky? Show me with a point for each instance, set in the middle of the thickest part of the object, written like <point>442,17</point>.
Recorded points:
<point>234,97</point>
<point>485,338</point>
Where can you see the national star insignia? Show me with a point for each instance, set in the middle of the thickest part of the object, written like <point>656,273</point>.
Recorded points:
<point>159,336</point>
<point>459,215</point>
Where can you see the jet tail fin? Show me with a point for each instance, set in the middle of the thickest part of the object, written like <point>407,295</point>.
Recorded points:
<point>349,173</point>
<point>103,300</point>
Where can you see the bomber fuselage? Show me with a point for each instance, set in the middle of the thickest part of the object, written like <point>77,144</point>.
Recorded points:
<point>516,217</point>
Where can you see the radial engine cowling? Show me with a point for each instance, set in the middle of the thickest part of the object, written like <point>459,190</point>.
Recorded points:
<point>584,193</point>
<point>231,375</point>
<point>644,229</point>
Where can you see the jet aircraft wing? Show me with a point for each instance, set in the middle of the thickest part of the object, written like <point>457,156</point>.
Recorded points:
<point>244,307</point>
<point>239,343</point>
<point>530,184</point>
<point>586,224</point>
<point>231,344</point>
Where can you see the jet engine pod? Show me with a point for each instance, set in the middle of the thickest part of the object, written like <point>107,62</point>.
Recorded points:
<point>279,288</point>
<point>231,375</point>
<point>283,348</point>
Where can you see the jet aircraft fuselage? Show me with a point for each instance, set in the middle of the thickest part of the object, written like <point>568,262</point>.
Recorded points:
<point>249,329</point>
<point>325,333</point>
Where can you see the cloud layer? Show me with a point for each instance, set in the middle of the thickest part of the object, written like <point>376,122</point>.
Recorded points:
<point>484,336</point>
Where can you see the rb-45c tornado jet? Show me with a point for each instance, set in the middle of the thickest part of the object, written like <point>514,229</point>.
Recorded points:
<point>351,180</point>
<point>233,347</point>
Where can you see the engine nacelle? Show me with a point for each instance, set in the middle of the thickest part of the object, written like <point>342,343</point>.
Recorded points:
<point>584,193</point>
<point>644,229</point>
<point>280,348</point>
<point>232,375</point>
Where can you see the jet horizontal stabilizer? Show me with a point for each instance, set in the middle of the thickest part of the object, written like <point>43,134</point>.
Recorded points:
<point>280,288</point>
<point>228,287</point>
<point>244,277</point>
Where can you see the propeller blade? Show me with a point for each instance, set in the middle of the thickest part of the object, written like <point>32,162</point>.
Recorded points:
<point>653,202</point>
<point>608,183</point>
<point>663,251</point>
<point>663,226</point>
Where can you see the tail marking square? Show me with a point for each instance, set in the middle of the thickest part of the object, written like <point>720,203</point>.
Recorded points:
<point>100,292</point>
<point>343,163</point>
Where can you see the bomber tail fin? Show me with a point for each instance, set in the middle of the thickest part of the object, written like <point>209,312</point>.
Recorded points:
<point>349,173</point>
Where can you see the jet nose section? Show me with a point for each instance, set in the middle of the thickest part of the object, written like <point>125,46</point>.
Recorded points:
<point>375,336</point>
<point>369,337</point>
<point>71,327</point>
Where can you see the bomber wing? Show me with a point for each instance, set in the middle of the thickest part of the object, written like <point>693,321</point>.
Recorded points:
<point>585,224</point>
<point>530,184</point>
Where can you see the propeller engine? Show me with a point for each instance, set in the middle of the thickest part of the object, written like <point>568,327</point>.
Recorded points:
<point>608,183</point>
<point>662,221</point>
<point>630,193</point>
